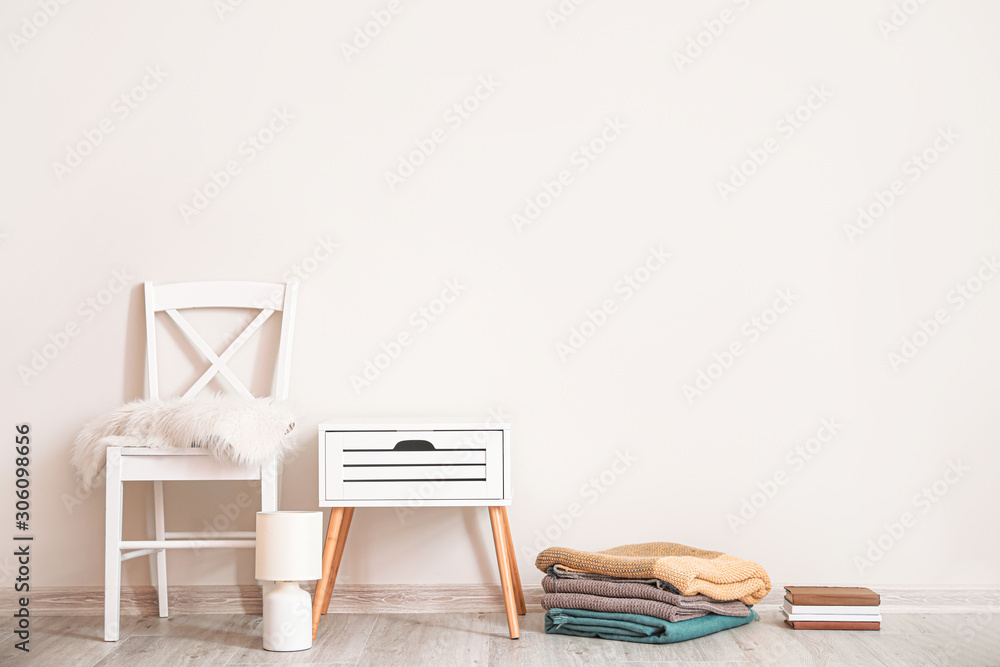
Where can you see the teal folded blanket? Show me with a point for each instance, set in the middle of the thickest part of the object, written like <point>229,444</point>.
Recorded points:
<point>637,628</point>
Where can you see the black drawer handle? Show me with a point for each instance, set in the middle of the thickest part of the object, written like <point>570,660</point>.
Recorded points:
<point>413,446</point>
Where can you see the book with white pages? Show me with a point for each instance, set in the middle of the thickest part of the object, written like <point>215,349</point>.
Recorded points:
<point>856,618</point>
<point>827,609</point>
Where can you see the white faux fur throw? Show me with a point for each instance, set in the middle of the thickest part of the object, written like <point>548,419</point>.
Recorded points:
<point>233,428</point>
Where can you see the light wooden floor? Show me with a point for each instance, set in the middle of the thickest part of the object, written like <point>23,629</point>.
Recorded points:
<point>479,639</point>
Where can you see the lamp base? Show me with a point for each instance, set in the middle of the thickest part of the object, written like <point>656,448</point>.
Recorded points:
<point>287,618</point>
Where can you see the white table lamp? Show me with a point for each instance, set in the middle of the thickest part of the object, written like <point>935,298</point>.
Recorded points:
<point>289,550</point>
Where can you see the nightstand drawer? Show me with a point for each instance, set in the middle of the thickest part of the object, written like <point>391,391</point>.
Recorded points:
<point>412,467</point>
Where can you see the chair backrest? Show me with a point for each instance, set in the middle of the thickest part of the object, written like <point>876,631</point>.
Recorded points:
<point>264,297</point>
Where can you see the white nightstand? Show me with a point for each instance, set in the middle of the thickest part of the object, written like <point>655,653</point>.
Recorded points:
<point>416,465</point>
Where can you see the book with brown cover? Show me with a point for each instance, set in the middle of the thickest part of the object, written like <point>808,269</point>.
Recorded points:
<point>831,595</point>
<point>833,625</point>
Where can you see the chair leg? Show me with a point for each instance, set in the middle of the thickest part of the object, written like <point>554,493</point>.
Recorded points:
<point>503,563</point>
<point>512,557</point>
<point>329,550</point>
<point>338,554</point>
<point>112,544</point>
<point>161,555</point>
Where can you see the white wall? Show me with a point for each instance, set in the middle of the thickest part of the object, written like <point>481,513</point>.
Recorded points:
<point>685,127</point>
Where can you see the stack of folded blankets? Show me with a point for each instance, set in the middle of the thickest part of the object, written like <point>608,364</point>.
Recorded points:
<point>655,593</point>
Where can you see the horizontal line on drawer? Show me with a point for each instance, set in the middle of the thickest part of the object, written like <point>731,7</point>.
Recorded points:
<point>425,479</point>
<point>407,465</point>
<point>456,449</point>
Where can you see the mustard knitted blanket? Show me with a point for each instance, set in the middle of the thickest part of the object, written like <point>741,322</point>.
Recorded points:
<point>692,571</point>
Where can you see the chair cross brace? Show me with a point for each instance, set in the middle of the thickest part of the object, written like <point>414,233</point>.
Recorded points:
<point>218,361</point>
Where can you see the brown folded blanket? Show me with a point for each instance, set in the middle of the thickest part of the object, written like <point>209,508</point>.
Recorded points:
<point>690,571</point>
<point>677,607</point>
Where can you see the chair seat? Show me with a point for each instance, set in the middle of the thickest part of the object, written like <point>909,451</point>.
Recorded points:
<point>165,465</point>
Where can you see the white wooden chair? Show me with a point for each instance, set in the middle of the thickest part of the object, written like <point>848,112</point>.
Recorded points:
<point>127,464</point>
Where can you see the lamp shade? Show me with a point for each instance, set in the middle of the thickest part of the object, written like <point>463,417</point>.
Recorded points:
<point>289,546</point>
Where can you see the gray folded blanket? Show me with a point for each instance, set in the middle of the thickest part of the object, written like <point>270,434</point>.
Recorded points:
<point>562,573</point>
<point>630,597</point>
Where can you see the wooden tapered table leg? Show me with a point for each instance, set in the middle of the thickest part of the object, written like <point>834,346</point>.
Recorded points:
<point>512,558</point>
<point>503,563</point>
<point>329,550</point>
<point>338,554</point>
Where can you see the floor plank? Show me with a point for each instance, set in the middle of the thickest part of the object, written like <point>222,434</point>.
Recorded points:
<point>661,663</point>
<point>918,624</point>
<point>202,639</point>
<point>220,627</point>
<point>481,639</point>
<point>979,648</point>
<point>536,648</point>
<point>340,640</point>
<point>772,642</point>
<point>65,640</point>
<point>428,639</point>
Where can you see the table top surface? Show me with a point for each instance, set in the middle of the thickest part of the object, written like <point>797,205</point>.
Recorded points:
<point>411,425</point>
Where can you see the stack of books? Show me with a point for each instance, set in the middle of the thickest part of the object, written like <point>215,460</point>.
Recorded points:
<point>831,608</point>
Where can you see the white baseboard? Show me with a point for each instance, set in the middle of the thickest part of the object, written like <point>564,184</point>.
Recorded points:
<point>909,599</point>
<point>396,599</point>
<point>347,598</point>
